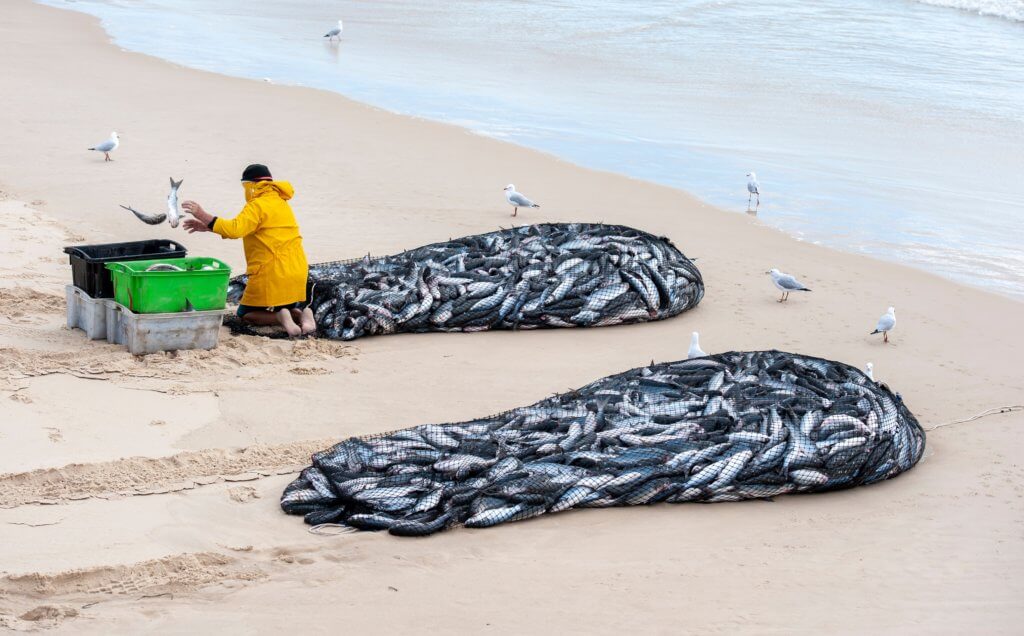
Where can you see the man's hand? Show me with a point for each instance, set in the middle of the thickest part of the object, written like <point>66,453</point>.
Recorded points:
<point>195,225</point>
<point>201,222</point>
<point>194,209</point>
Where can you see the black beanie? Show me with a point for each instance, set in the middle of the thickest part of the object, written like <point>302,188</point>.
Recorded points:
<point>256,172</point>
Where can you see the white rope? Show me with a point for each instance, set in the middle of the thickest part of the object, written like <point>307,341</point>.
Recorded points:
<point>993,411</point>
<point>331,529</point>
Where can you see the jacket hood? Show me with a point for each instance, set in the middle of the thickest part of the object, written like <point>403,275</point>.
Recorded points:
<point>283,189</point>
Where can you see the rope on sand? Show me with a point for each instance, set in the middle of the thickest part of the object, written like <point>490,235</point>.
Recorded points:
<point>992,411</point>
<point>331,529</point>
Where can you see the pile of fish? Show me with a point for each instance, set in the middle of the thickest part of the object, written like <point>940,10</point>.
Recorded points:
<point>547,275</point>
<point>728,427</point>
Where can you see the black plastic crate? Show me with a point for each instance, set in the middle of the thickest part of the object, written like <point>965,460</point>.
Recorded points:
<point>87,261</point>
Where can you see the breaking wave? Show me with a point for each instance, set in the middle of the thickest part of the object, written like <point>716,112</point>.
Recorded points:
<point>1009,9</point>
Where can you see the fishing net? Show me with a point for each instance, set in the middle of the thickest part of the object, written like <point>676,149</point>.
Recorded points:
<point>728,427</point>
<point>547,275</point>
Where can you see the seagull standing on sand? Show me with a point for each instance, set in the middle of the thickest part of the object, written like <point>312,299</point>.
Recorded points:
<point>885,324</point>
<point>517,200</point>
<point>335,32</point>
<point>695,350</point>
<point>108,146</point>
<point>786,283</point>
<point>753,188</point>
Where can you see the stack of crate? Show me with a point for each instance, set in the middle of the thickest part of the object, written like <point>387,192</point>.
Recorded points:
<point>115,299</point>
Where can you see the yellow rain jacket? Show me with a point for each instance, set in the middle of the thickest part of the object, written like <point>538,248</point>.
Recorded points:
<point>275,261</point>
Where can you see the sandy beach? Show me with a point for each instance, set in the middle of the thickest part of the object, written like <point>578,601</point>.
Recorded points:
<point>140,494</point>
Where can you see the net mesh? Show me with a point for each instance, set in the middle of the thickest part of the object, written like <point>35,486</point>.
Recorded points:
<point>546,275</point>
<point>728,427</point>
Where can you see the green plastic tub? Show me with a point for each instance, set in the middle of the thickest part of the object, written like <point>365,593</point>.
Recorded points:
<point>167,292</point>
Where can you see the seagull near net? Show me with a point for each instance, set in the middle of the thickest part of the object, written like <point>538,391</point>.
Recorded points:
<point>786,283</point>
<point>754,189</point>
<point>886,324</point>
<point>335,32</point>
<point>517,200</point>
<point>695,350</point>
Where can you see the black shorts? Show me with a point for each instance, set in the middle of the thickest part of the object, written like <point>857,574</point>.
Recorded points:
<point>244,309</point>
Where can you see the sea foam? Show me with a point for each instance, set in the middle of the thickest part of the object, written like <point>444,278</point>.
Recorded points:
<point>1009,9</point>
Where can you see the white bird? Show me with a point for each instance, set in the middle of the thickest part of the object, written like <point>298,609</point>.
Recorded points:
<point>786,283</point>
<point>517,200</point>
<point>753,188</point>
<point>695,350</point>
<point>108,146</point>
<point>885,324</point>
<point>869,370</point>
<point>335,32</point>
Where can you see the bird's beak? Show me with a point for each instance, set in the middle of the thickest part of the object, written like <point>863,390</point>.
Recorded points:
<point>768,272</point>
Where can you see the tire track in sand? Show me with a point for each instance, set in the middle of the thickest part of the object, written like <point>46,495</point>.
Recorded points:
<point>28,602</point>
<point>148,475</point>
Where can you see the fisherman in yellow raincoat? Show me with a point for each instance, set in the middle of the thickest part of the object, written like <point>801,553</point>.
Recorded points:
<point>275,261</point>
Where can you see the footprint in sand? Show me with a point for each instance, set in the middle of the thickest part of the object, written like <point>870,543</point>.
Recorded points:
<point>285,557</point>
<point>243,494</point>
<point>309,371</point>
<point>49,613</point>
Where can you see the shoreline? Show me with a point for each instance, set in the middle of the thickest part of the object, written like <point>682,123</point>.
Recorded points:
<point>689,197</point>
<point>974,267</point>
<point>199,539</point>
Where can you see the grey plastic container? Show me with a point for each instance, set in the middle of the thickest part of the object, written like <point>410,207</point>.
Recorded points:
<point>151,333</point>
<point>86,313</point>
<point>113,324</point>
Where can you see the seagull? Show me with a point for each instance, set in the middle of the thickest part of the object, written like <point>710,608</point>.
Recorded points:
<point>869,370</point>
<point>108,146</point>
<point>885,324</point>
<point>753,188</point>
<point>786,283</point>
<point>335,32</point>
<point>517,200</point>
<point>695,350</point>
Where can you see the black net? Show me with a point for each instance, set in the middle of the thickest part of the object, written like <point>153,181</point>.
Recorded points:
<point>728,427</point>
<point>547,275</point>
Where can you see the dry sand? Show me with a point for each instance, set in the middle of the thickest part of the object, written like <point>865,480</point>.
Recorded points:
<point>118,512</point>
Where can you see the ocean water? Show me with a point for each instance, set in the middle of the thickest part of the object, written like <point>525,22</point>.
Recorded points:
<point>888,127</point>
